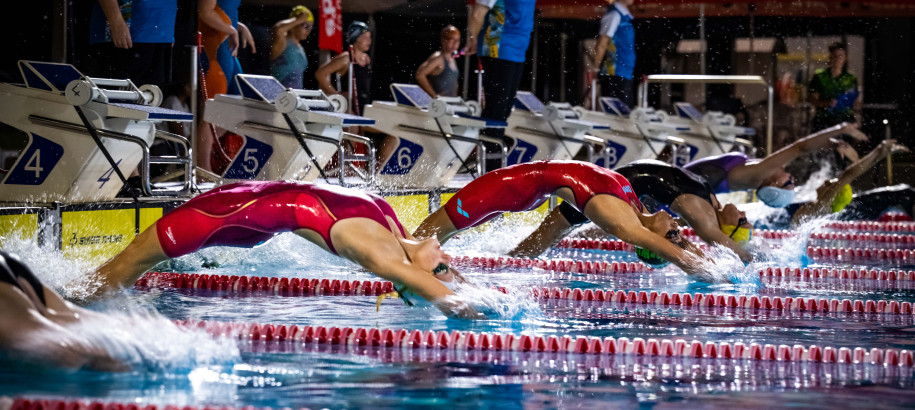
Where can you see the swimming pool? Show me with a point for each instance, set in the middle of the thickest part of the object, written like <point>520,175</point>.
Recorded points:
<point>801,336</point>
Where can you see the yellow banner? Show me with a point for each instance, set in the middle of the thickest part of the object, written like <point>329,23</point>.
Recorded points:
<point>97,235</point>
<point>23,226</point>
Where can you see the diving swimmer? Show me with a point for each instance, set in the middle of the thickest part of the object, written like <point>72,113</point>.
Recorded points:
<point>358,226</point>
<point>604,196</point>
<point>774,186</point>
<point>836,194</point>
<point>661,188</point>
<point>38,324</point>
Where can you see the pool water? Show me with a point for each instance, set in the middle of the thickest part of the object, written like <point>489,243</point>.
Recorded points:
<point>240,373</point>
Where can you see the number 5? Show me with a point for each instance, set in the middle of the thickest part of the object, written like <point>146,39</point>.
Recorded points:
<point>249,157</point>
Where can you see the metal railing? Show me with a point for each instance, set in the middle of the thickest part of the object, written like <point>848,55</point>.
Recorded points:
<point>713,79</point>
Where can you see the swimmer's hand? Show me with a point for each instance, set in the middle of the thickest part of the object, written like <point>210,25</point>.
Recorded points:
<point>454,307</point>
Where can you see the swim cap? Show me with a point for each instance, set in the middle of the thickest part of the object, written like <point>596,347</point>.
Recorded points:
<point>299,10</point>
<point>740,235</point>
<point>775,197</point>
<point>650,258</point>
<point>354,30</point>
<point>842,199</point>
<point>450,30</point>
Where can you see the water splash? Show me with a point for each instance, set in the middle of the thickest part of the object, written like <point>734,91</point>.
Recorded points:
<point>68,276</point>
<point>495,238</point>
<point>148,341</point>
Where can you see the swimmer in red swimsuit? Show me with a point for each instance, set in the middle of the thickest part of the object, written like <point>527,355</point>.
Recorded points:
<point>604,196</point>
<point>357,226</point>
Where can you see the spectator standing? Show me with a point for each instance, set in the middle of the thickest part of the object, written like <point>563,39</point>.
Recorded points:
<point>218,22</point>
<point>288,61</point>
<point>438,75</point>
<point>499,31</point>
<point>614,51</point>
<point>834,91</point>
<point>132,39</point>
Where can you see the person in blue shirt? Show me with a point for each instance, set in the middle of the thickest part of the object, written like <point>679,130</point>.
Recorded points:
<point>132,39</point>
<point>614,51</point>
<point>499,32</point>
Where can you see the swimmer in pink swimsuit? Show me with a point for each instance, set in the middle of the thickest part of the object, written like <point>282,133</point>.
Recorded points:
<point>604,196</point>
<point>352,224</point>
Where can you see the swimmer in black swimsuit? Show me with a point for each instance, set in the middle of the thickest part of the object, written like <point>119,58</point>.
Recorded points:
<point>35,323</point>
<point>660,187</point>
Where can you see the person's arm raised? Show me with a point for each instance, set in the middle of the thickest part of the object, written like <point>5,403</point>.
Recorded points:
<point>827,192</point>
<point>751,176</point>
<point>279,31</point>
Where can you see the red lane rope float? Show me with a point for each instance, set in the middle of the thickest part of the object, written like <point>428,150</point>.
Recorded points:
<point>851,255</point>
<point>872,226</point>
<point>417,339</point>
<point>787,303</point>
<point>879,238</point>
<point>891,276</point>
<point>245,284</point>
<point>894,217</point>
<point>39,404</point>
<point>305,287</point>
<point>553,265</point>
<point>816,253</point>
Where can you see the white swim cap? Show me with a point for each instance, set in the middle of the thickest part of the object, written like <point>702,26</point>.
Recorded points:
<point>775,197</point>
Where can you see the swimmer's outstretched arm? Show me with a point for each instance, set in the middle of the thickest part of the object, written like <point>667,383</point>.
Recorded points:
<point>548,233</point>
<point>30,335</point>
<point>123,269</point>
<point>827,192</point>
<point>377,250</point>
<point>617,217</point>
<point>751,176</point>
<point>700,215</point>
<point>437,224</point>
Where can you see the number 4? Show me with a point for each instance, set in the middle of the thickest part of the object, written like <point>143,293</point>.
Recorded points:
<point>34,164</point>
<point>107,175</point>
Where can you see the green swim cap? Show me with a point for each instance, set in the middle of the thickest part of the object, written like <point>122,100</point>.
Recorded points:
<point>842,199</point>
<point>650,258</point>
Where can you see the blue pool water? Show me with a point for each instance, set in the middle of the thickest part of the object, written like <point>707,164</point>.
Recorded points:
<point>200,371</point>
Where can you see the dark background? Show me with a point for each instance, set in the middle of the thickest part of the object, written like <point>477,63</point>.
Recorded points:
<point>406,35</point>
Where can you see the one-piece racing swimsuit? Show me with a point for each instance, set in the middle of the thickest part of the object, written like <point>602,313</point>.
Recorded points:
<point>245,214</point>
<point>717,169</point>
<point>524,187</point>
<point>659,184</point>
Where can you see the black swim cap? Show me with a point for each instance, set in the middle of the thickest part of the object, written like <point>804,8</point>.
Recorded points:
<point>354,30</point>
<point>650,258</point>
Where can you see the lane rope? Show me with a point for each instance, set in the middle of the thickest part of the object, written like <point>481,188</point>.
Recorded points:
<point>468,340</point>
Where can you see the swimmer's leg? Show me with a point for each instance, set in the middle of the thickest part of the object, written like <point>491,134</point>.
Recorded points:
<point>438,224</point>
<point>125,268</point>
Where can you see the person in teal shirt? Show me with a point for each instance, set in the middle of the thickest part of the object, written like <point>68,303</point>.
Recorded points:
<point>834,91</point>
<point>288,61</point>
